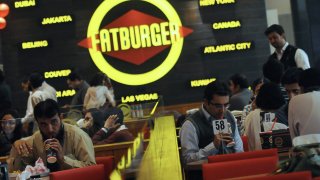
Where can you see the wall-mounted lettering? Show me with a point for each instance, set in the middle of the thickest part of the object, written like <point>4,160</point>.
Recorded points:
<point>57,20</point>
<point>65,93</point>
<point>201,82</point>
<point>215,2</point>
<point>140,98</point>
<point>24,4</point>
<point>226,25</point>
<point>241,46</point>
<point>34,44</point>
<point>58,73</point>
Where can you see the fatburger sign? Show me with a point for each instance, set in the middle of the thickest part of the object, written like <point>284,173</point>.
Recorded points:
<point>135,37</point>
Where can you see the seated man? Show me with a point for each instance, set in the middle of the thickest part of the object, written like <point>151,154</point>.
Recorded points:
<point>290,81</point>
<point>304,115</point>
<point>241,95</point>
<point>197,138</point>
<point>73,146</point>
<point>113,131</point>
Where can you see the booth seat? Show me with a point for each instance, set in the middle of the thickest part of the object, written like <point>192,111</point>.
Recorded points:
<point>304,175</point>
<point>95,172</point>
<point>239,168</point>
<point>243,155</point>
<point>109,165</point>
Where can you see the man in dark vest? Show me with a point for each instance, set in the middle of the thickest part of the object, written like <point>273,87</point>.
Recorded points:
<point>197,137</point>
<point>288,55</point>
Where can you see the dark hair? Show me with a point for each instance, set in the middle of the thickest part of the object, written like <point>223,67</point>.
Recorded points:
<point>97,79</point>
<point>1,76</point>
<point>274,28</point>
<point>291,75</point>
<point>36,80</point>
<point>98,116</point>
<point>12,112</point>
<point>17,133</point>
<point>240,79</point>
<point>216,88</point>
<point>273,70</point>
<point>25,79</point>
<point>270,97</point>
<point>114,110</point>
<point>46,109</point>
<point>310,79</point>
<point>256,82</point>
<point>74,76</point>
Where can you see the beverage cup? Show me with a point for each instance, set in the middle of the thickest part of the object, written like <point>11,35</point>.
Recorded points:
<point>51,153</point>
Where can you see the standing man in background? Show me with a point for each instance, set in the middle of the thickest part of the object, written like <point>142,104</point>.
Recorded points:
<point>288,55</point>
<point>81,86</point>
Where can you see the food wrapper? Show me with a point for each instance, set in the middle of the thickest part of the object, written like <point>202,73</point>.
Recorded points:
<point>39,168</point>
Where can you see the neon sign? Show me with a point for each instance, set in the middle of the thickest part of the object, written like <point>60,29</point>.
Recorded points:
<point>241,46</point>
<point>34,44</point>
<point>135,40</point>
<point>56,20</point>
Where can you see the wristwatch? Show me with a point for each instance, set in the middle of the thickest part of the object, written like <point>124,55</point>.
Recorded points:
<point>105,129</point>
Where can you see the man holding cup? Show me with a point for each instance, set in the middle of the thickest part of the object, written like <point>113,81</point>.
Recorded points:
<point>61,146</point>
<point>201,136</point>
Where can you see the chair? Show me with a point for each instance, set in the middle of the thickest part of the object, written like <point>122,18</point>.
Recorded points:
<point>245,143</point>
<point>244,155</point>
<point>95,172</point>
<point>304,175</point>
<point>108,162</point>
<point>232,169</point>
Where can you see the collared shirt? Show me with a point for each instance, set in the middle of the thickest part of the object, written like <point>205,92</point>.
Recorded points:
<point>77,148</point>
<point>78,98</point>
<point>304,116</point>
<point>189,141</point>
<point>301,58</point>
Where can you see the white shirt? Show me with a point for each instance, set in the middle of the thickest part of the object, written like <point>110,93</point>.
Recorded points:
<point>189,142</point>
<point>96,97</point>
<point>39,96</point>
<point>304,114</point>
<point>301,57</point>
<point>52,93</point>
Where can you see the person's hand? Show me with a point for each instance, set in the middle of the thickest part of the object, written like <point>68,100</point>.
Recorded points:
<point>22,147</point>
<point>55,145</point>
<point>111,122</point>
<point>226,137</point>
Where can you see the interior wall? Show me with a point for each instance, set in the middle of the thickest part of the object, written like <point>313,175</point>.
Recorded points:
<point>283,9</point>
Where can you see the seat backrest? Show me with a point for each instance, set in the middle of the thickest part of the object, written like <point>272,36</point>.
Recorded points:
<point>95,172</point>
<point>108,162</point>
<point>238,168</point>
<point>304,175</point>
<point>243,156</point>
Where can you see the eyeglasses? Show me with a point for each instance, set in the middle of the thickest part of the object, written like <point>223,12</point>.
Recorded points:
<point>9,122</point>
<point>220,106</point>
